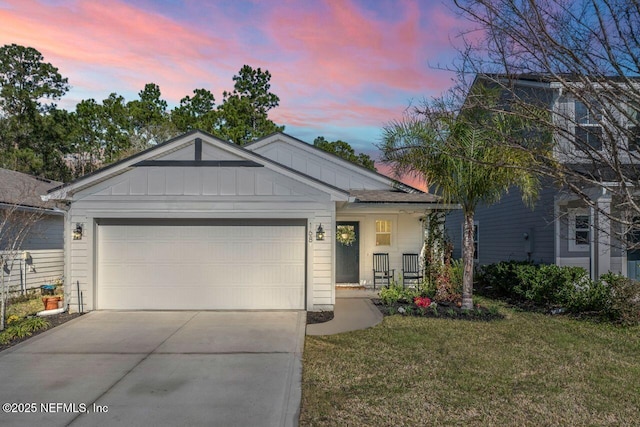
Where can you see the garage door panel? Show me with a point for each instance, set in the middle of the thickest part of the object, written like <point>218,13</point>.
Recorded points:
<point>201,267</point>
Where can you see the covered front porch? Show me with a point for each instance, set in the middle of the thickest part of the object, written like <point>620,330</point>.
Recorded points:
<point>586,237</point>
<point>377,221</point>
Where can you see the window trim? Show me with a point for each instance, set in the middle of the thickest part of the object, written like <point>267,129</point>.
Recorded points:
<point>590,125</point>
<point>573,246</point>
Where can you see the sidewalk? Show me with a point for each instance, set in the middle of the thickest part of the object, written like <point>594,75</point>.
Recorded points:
<point>353,311</point>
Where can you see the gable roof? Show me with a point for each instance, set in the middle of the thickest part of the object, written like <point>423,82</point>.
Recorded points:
<point>17,188</point>
<point>156,152</point>
<point>283,137</point>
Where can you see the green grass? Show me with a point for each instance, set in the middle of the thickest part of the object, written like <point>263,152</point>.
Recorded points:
<point>526,370</point>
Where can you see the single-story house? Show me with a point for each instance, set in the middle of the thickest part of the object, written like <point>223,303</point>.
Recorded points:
<point>31,232</point>
<point>200,223</point>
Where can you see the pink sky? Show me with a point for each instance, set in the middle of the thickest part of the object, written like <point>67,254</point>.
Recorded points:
<point>342,68</point>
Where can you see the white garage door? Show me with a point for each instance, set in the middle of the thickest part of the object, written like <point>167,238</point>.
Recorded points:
<point>187,266</point>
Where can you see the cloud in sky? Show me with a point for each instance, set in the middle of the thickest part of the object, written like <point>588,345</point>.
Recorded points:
<point>339,66</point>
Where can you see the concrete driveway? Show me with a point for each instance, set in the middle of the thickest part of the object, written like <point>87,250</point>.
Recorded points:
<point>158,368</point>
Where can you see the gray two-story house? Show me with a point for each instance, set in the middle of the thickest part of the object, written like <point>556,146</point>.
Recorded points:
<point>562,228</point>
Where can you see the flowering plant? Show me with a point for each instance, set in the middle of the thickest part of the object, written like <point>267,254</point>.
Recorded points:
<point>422,302</point>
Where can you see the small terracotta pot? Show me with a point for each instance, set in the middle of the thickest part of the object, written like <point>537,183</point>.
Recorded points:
<point>50,303</point>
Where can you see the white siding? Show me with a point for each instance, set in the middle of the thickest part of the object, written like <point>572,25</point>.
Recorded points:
<point>323,254</point>
<point>201,193</point>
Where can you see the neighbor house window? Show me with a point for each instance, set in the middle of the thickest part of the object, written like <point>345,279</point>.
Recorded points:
<point>579,229</point>
<point>588,129</point>
<point>383,232</point>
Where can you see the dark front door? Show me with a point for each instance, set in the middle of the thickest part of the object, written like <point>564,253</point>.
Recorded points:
<point>347,252</point>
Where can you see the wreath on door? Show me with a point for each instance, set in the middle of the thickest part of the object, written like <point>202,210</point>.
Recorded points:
<point>346,234</point>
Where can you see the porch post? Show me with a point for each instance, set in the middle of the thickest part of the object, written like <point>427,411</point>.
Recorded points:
<point>603,230</point>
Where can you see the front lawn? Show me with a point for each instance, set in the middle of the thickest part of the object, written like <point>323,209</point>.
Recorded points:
<point>529,369</point>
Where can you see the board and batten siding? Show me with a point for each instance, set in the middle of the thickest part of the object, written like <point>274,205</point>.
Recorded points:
<point>502,226</point>
<point>201,193</point>
<point>308,160</point>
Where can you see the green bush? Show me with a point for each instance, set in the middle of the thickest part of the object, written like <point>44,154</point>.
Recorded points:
<point>613,296</point>
<point>456,272</point>
<point>624,305</point>
<point>396,293</point>
<point>500,278</point>
<point>23,329</point>
<point>427,289</point>
<point>549,284</point>
<point>390,294</point>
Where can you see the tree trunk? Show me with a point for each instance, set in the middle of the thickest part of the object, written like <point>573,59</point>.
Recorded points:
<point>467,259</point>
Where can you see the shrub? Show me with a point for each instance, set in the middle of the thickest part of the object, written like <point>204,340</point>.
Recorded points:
<point>36,323</point>
<point>549,284</point>
<point>395,293</point>
<point>448,282</point>
<point>500,278</point>
<point>568,287</point>
<point>586,295</point>
<point>23,329</point>
<point>624,306</point>
<point>456,272</point>
<point>427,289</point>
<point>390,294</point>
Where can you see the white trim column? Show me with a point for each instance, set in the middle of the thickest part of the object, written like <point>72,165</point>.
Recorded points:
<point>603,242</point>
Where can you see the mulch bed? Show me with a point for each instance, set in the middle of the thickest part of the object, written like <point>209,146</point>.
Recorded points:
<point>318,316</point>
<point>444,310</point>
<point>54,320</point>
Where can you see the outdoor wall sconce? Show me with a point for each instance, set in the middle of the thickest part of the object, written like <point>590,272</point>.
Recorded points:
<point>77,232</point>
<point>320,233</point>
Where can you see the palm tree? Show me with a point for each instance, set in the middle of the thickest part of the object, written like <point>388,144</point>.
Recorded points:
<point>468,157</point>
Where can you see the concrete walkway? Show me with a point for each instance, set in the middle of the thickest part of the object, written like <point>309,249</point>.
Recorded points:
<point>353,311</point>
<point>158,368</point>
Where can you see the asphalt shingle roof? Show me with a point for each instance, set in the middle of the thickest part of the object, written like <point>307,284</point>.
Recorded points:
<point>17,188</point>
<point>391,196</point>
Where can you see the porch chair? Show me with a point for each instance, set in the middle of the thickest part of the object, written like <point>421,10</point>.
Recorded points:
<point>381,271</point>
<point>411,271</point>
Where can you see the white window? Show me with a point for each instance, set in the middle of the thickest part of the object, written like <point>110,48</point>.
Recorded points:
<point>579,230</point>
<point>383,232</point>
<point>588,131</point>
